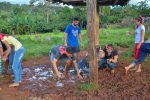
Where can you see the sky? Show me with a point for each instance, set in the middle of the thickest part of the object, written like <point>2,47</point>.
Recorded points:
<point>27,1</point>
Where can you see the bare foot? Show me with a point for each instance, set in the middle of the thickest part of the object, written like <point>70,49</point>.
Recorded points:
<point>0,89</point>
<point>14,85</point>
<point>138,70</point>
<point>126,69</point>
<point>134,69</point>
<point>113,71</point>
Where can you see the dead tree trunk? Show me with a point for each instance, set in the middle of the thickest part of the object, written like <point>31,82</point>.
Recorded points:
<point>92,24</point>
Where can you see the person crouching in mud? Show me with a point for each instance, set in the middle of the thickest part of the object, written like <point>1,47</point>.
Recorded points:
<point>109,58</point>
<point>62,53</point>
<point>106,57</point>
<point>143,53</point>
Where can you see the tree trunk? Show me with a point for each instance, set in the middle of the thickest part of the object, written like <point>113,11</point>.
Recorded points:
<point>97,26</point>
<point>92,24</point>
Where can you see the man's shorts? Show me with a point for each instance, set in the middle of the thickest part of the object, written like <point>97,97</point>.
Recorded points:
<point>75,51</point>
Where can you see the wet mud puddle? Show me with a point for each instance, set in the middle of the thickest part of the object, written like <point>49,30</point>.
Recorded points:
<point>40,79</point>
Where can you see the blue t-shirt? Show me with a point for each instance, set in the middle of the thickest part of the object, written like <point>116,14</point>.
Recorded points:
<point>73,32</point>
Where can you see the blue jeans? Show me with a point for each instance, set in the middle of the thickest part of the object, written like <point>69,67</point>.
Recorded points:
<point>104,64</point>
<point>83,65</point>
<point>10,58</point>
<point>11,55</point>
<point>16,64</point>
<point>1,68</point>
<point>144,50</point>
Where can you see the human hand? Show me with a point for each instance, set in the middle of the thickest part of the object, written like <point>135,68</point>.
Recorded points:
<point>65,44</point>
<point>82,45</point>
<point>4,58</point>
<point>79,76</point>
<point>108,61</point>
<point>84,76</point>
<point>138,46</point>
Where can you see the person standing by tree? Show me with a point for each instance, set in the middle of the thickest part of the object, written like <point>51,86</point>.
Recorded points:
<point>72,33</point>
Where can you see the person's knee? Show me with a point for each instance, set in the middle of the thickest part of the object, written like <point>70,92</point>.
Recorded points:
<point>102,66</point>
<point>112,65</point>
<point>104,61</point>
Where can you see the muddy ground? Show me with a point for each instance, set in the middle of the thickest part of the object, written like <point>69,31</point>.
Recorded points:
<point>38,84</point>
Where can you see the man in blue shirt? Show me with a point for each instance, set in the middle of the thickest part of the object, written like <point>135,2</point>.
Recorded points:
<point>72,33</point>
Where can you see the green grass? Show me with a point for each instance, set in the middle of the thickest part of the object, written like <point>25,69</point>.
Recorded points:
<point>117,37</point>
<point>86,87</point>
<point>39,48</point>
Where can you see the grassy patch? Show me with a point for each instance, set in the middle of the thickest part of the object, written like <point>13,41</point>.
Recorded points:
<point>116,36</point>
<point>88,87</point>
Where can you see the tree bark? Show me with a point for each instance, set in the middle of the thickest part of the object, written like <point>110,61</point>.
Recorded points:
<point>97,26</point>
<point>92,24</point>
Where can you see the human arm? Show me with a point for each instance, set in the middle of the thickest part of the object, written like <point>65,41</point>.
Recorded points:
<point>81,42</point>
<point>54,63</point>
<point>142,38</point>
<point>65,39</point>
<point>115,60</point>
<point>101,54</point>
<point>1,51</point>
<point>6,53</point>
<point>67,31</point>
<point>77,69</point>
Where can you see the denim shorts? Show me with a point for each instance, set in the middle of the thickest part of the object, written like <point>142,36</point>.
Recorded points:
<point>144,50</point>
<point>76,49</point>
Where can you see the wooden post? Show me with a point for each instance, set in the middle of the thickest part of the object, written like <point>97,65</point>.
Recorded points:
<point>97,26</point>
<point>91,35</point>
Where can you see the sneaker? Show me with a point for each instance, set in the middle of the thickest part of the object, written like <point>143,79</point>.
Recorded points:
<point>14,85</point>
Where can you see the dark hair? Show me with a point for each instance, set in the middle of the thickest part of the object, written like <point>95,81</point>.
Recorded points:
<point>75,19</point>
<point>109,45</point>
<point>69,50</point>
<point>140,19</point>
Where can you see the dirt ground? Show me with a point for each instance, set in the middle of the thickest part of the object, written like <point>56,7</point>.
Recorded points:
<point>37,84</point>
